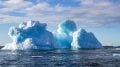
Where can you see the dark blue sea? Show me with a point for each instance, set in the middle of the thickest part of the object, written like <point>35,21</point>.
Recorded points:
<point>61,58</point>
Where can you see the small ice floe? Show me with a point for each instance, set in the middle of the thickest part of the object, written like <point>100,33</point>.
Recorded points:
<point>53,56</point>
<point>36,56</point>
<point>117,49</point>
<point>116,54</point>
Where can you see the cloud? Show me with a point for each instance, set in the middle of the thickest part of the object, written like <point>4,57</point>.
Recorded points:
<point>88,13</point>
<point>96,13</point>
<point>14,5</point>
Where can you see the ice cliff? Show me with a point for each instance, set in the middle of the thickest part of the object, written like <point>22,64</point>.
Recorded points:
<point>30,35</point>
<point>84,39</point>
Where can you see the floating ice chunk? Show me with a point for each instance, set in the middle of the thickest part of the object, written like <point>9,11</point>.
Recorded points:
<point>10,46</point>
<point>115,54</point>
<point>27,44</point>
<point>37,56</point>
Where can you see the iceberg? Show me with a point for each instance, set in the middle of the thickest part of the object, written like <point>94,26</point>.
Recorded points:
<point>84,39</point>
<point>30,35</point>
<point>34,35</point>
<point>63,36</point>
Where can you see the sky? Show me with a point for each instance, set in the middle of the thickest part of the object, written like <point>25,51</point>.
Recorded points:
<point>102,17</point>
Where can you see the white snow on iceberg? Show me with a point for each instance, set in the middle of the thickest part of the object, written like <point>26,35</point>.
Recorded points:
<point>63,36</point>
<point>30,35</point>
<point>84,39</point>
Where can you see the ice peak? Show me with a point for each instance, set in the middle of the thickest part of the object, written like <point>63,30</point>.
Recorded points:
<point>69,25</point>
<point>84,39</point>
<point>83,30</point>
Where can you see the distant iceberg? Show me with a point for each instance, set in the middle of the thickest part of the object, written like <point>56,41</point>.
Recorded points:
<point>30,35</point>
<point>34,35</point>
<point>84,39</point>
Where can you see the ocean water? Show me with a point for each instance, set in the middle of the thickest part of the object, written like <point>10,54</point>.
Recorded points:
<point>61,58</point>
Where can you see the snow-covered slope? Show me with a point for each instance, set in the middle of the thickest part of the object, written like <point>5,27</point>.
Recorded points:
<point>64,33</point>
<point>84,39</point>
<point>30,35</point>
